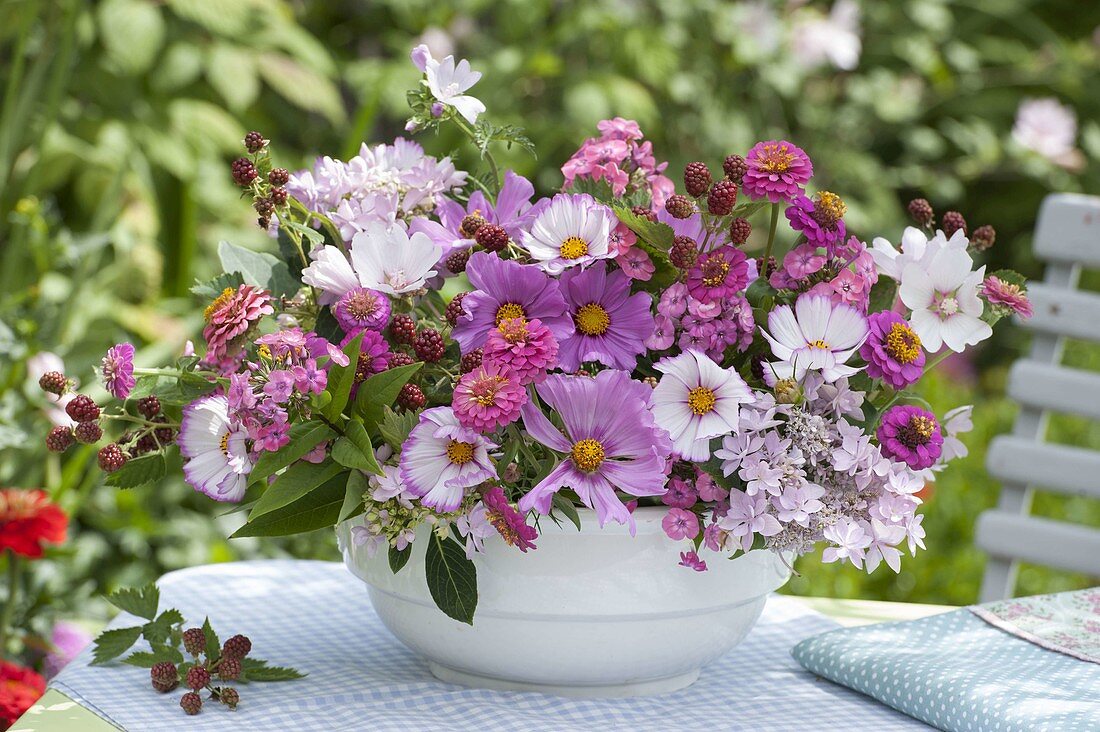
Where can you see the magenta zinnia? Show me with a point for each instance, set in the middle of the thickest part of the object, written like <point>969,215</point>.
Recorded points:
<point>892,350</point>
<point>1005,294</point>
<point>912,435</point>
<point>361,309</point>
<point>777,170</point>
<point>488,397</point>
<point>527,348</point>
<point>508,522</point>
<point>718,274</point>
<point>118,370</point>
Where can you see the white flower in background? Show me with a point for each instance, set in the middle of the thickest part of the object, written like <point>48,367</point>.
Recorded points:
<point>388,260</point>
<point>816,335</point>
<point>1047,127</point>
<point>817,39</point>
<point>916,248</point>
<point>944,299</point>
<point>954,423</point>
<point>331,273</point>
<point>754,29</point>
<point>447,81</point>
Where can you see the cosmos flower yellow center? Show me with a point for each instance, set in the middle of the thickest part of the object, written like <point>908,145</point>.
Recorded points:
<point>218,304</point>
<point>902,344</point>
<point>574,248</point>
<point>592,319</point>
<point>587,454</point>
<point>460,453</point>
<point>819,345</point>
<point>715,270</point>
<point>775,158</point>
<point>917,432</point>
<point>701,400</point>
<point>225,444</point>
<point>510,310</point>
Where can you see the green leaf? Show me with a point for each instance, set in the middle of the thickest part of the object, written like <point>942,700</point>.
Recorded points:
<point>354,450</point>
<point>255,669</point>
<point>485,133</point>
<point>160,630</point>
<point>395,428</point>
<point>212,288</point>
<point>299,480</point>
<point>304,436</point>
<point>231,71</point>
<point>452,578</point>
<point>883,294</point>
<point>213,644</point>
<point>139,601</point>
<point>399,557</point>
<point>341,379</point>
<point>381,390</point>
<point>316,510</point>
<point>139,471</point>
<point>113,643</point>
<point>302,87</point>
<point>258,268</point>
<point>144,659</point>
<point>131,32</point>
<point>655,233</point>
<point>563,504</point>
<point>748,208</point>
<point>353,496</point>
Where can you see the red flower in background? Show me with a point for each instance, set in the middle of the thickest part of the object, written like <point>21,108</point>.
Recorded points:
<point>28,519</point>
<point>19,689</point>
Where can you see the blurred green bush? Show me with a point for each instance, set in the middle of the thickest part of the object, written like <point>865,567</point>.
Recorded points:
<point>119,119</point>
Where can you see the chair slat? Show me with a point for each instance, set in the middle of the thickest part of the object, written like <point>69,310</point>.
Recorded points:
<point>1069,229</point>
<point>1061,468</point>
<point>1064,312</point>
<point>1040,541</point>
<point>1059,389</point>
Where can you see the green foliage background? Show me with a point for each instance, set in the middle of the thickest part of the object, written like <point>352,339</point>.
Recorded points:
<point>120,117</point>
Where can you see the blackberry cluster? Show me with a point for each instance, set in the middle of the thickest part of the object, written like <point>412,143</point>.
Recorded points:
<point>197,677</point>
<point>470,224</point>
<point>237,647</point>
<point>697,179</point>
<point>82,409</point>
<point>229,697</point>
<point>429,345</point>
<point>735,167</point>
<point>53,382</point>
<point>88,433</point>
<point>229,668</point>
<point>683,253</point>
<point>111,458</point>
<point>278,177</point>
<point>722,198</point>
<point>403,329</point>
<point>59,439</point>
<point>244,172</point>
<point>149,407</point>
<point>191,703</point>
<point>254,142</point>
<point>454,308</point>
<point>411,397</point>
<point>456,260</point>
<point>491,238</point>
<point>400,358</point>
<point>279,196</point>
<point>921,211</point>
<point>953,221</point>
<point>679,207</point>
<point>740,229</point>
<point>194,641</point>
<point>643,212</point>
<point>983,237</point>
<point>164,676</point>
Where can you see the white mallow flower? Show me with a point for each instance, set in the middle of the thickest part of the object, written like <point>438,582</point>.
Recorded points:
<point>388,260</point>
<point>916,248</point>
<point>944,299</point>
<point>815,335</point>
<point>696,400</point>
<point>955,422</point>
<point>448,80</point>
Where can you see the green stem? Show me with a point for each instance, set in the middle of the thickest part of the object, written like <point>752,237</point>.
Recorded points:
<point>465,127</point>
<point>15,575</point>
<point>771,234</point>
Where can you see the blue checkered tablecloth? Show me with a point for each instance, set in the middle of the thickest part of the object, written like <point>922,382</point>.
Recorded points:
<point>316,617</point>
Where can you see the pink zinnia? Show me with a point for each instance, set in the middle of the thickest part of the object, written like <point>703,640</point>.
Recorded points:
<point>488,397</point>
<point>508,522</point>
<point>777,170</point>
<point>721,273</point>
<point>118,370</point>
<point>999,292</point>
<point>526,347</point>
<point>230,317</point>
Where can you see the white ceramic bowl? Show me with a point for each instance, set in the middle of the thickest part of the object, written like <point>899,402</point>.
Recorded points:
<point>594,613</point>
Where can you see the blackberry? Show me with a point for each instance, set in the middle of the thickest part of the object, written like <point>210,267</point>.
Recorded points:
<point>470,361</point>
<point>59,439</point>
<point>400,358</point>
<point>244,172</point>
<point>470,224</point>
<point>766,269</point>
<point>194,641</point>
<point>238,647</point>
<point>740,229</point>
<point>229,668</point>
<point>983,237</point>
<point>429,345</point>
<point>921,211</point>
<point>264,206</point>
<point>164,676</point>
<point>278,177</point>
<point>149,406</point>
<point>456,260</point>
<point>697,179</point>
<point>403,329</point>
<point>264,222</point>
<point>197,677</point>
<point>279,196</point>
<point>229,697</point>
<point>164,434</point>
<point>111,458</point>
<point>82,409</point>
<point>722,198</point>
<point>53,382</point>
<point>491,237</point>
<point>88,433</point>
<point>454,308</point>
<point>684,252</point>
<point>191,703</point>
<point>146,443</point>
<point>254,142</point>
<point>735,167</point>
<point>953,221</point>
<point>643,212</point>
<point>679,207</point>
<point>411,397</point>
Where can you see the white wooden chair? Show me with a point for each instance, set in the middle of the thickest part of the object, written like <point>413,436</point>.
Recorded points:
<point>1067,238</point>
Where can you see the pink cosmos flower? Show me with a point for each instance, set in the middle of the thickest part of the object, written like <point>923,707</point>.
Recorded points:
<point>440,459</point>
<point>229,318</point>
<point>118,370</point>
<point>777,170</point>
<point>509,523</point>
<point>998,292</point>
<point>611,323</point>
<point>526,347</point>
<point>488,397</point>
<point>680,524</point>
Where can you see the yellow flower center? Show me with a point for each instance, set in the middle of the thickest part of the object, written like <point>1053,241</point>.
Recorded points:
<point>592,319</point>
<point>902,344</point>
<point>574,248</point>
<point>264,351</point>
<point>829,208</point>
<point>225,444</point>
<point>218,304</point>
<point>510,310</point>
<point>701,400</point>
<point>460,453</point>
<point>714,271</point>
<point>775,158</point>
<point>819,344</point>
<point>587,455</point>
<point>917,432</point>
<point>484,390</point>
<point>514,330</point>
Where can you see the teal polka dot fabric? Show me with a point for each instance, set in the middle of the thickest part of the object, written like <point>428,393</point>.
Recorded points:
<point>956,672</point>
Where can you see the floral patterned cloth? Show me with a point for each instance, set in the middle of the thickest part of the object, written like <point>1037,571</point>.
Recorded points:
<point>1067,622</point>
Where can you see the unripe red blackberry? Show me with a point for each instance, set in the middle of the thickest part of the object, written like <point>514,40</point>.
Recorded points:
<point>264,206</point>
<point>454,308</point>
<point>244,172</point>
<point>683,253</point>
<point>237,647</point>
<point>766,269</point>
<point>400,358</point>
<point>735,167</point>
<point>456,260</point>
<point>722,198</point>
<point>59,439</point>
<point>229,668</point>
<point>164,676</point>
<point>53,382</point>
<point>88,433</point>
<point>679,207</point>
<point>111,458</point>
<point>953,221</point>
<point>643,212</point>
<point>194,641</point>
<point>145,443</point>
<point>921,211</point>
<point>197,677</point>
<point>149,406</point>
<point>470,361</point>
<point>740,228</point>
<point>164,434</point>
<point>429,345</point>
<point>191,703</point>
<point>403,329</point>
<point>254,142</point>
<point>411,397</point>
<point>983,237</point>
<point>229,697</point>
<point>697,178</point>
<point>82,409</point>
<point>491,237</point>
<point>470,224</point>
<point>278,177</point>
<point>279,196</point>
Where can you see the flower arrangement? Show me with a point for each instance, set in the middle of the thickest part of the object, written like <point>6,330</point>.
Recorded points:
<point>438,348</point>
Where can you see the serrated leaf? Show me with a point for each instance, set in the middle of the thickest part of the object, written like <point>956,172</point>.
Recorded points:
<point>255,669</point>
<point>139,471</point>
<point>354,449</point>
<point>381,390</point>
<point>212,288</point>
<point>139,601</point>
<point>655,233</point>
<point>341,379</point>
<point>213,644</point>
<point>160,630</point>
<point>399,557</point>
<point>258,268</point>
<point>143,659</point>
<point>452,578</point>
<point>395,428</point>
<point>318,509</point>
<point>298,481</point>
<point>113,643</point>
<point>353,496</point>
<point>304,436</point>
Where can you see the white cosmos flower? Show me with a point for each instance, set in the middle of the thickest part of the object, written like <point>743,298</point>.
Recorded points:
<point>817,334</point>
<point>218,461</point>
<point>696,400</point>
<point>573,229</point>
<point>916,248</point>
<point>944,299</point>
<point>447,81</point>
